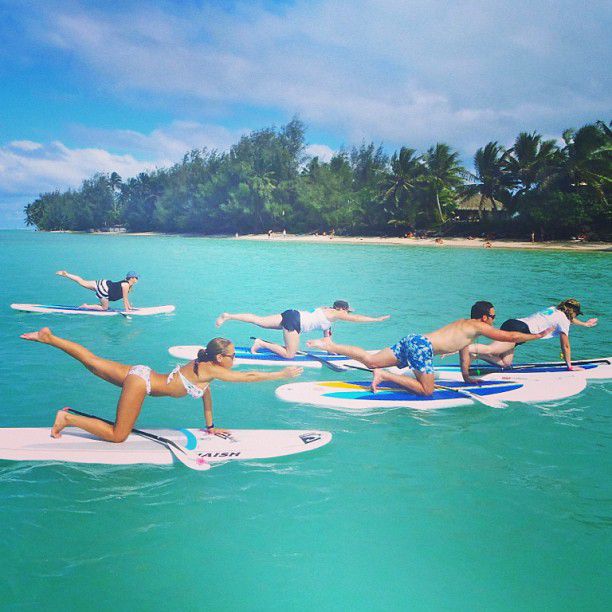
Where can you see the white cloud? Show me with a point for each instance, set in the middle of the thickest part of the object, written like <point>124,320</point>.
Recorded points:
<point>322,151</point>
<point>24,145</point>
<point>166,145</point>
<point>404,71</point>
<point>54,166</point>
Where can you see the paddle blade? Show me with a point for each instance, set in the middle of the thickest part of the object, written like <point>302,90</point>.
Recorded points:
<point>326,363</point>
<point>190,459</point>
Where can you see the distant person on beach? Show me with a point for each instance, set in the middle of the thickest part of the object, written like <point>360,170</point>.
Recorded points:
<point>294,322</point>
<point>556,318</point>
<point>106,290</point>
<point>138,381</point>
<point>417,351</point>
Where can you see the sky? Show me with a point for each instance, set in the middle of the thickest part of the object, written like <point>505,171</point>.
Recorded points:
<point>127,86</point>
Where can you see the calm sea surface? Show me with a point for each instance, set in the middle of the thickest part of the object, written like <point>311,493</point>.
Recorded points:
<point>461,509</point>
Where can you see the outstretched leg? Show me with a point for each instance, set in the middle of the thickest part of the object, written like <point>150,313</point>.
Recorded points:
<point>88,284</point>
<point>111,371</point>
<point>382,359</point>
<point>130,402</point>
<point>269,322</point>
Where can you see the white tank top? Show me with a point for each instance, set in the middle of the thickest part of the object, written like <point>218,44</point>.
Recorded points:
<point>310,321</point>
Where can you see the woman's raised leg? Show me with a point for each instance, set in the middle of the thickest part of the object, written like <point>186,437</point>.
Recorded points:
<point>111,371</point>
<point>88,284</point>
<point>269,322</point>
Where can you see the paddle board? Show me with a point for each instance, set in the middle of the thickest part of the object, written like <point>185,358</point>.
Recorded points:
<point>265,357</point>
<point>75,445</point>
<point>592,369</point>
<point>59,309</point>
<point>358,395</point>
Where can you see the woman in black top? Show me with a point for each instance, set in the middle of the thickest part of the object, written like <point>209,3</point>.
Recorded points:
<point>106,290</point>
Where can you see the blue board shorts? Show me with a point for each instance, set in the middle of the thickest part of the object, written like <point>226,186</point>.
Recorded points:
<point>414,351</point>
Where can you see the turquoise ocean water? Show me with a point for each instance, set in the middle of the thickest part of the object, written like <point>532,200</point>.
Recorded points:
<point>461,509</point>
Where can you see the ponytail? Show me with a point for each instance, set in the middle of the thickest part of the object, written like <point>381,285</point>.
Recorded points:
<point>215,347</point>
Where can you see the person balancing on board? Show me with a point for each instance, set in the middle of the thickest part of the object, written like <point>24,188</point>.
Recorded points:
<point>106,290</point>
<point>558,318</point>
<point>416,351</point>
<point>137,381</point>
<point>295,322</point>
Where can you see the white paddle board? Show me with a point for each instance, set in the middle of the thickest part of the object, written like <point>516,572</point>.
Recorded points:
<point>592,369</point>
<point>76,445</point>
<point>358,395</point>
<point>266,357</point>
<point>59,309</point>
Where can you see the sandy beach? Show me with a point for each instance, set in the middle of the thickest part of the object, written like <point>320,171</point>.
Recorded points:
<point>476,243</point>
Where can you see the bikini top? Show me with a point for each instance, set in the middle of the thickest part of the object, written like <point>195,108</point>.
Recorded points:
<point>191,389</point>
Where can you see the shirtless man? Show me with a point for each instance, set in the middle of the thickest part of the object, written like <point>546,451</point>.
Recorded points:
<point>417,351</point>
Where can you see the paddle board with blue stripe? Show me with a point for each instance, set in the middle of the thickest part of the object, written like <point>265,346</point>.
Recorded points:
<point>77,310</point>
<point>265,357</point>
<point>592,369</point>
<point>75,445</point>
<point>358,395</point>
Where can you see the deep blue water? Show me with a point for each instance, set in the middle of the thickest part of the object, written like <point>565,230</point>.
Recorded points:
<point>462,509</point>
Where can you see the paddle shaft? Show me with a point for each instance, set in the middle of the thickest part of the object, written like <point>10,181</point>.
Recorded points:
<point>144,434</point>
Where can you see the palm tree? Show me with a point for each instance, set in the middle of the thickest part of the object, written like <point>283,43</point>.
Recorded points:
<point>588,159</point>
<point>490,175</point>
<point>403,180</point>
<point>531,160</point>
<point>442,172</point>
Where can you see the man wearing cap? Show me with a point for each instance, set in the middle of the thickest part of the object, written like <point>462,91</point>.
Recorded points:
<point>106,290</point>
<point>558,317</point>
<point>294,322</point>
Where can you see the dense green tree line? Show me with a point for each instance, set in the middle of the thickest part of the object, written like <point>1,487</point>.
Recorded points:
<point>266,181</point>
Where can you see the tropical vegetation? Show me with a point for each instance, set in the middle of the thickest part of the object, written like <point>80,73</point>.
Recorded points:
<point>266,181</point>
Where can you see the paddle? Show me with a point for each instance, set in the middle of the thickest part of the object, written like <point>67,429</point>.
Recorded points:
<point>329,364</point>
<point>191,459</point>
<point>487,401</point>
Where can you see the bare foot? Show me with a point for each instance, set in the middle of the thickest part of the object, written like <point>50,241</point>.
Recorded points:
<point>256,345</point>
<point>221,319</point>
<point>42,335</point>
<point>60,423</point>
<point>62,273</point>
<point>379,376</point>
<point>291,371</point>
<point>322,343</point>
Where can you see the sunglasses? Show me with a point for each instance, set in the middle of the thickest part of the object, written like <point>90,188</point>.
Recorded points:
<point>230,355</point>
<point>491,316</point>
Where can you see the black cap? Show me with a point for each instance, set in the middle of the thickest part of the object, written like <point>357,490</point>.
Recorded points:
<point>341,305</point>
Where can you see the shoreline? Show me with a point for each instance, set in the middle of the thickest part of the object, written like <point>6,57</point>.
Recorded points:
<point>475,243</point>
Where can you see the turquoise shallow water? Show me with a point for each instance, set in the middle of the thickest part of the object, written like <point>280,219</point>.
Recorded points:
<point>463,509</point>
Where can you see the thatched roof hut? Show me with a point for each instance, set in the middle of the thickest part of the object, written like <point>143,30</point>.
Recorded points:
<point>470,207</point>
<point>473,203</point>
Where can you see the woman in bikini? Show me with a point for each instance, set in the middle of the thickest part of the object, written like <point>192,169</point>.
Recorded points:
<point>138,381</point>
<point>294,322</point>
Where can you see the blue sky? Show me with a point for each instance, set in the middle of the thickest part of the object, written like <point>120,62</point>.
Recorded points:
<point>126,86</point>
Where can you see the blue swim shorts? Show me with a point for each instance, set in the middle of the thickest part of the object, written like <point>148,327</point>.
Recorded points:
<point>415,352</point>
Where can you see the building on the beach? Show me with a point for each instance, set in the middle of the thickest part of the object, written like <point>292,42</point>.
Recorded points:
<point>471,208</point>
